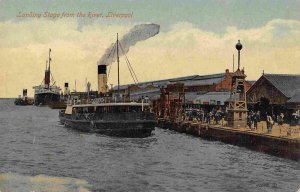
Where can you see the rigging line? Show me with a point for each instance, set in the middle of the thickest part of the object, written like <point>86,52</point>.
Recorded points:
<point>129,63</point>
<point>131,73</point>
<point>51,76</point>
<point>126,59</point>
<point>114,50</point>
<point>129,68</point>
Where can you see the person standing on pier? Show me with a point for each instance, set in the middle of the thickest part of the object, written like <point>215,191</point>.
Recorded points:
<point>270,123</point>
<point>280,119</point>
<point>217,117</point>
<point>208,117</point>
<point>255,120</point>
<point>249,120</point>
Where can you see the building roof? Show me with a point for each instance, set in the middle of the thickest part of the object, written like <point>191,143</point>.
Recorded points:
<point>145,92</point>
<point>109,104</point>
<point>187,80</point>
<point>151,94</point>
<point>239,73</point>
<point>286,84</point>
<point>191,96</point>
<point>206,79</point>
<point>208,98</point>
<point>159,83</point>
<point>296,97</point>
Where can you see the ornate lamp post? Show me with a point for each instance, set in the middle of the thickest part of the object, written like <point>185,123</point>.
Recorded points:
<point>237,109</point>
<point>239,47</point>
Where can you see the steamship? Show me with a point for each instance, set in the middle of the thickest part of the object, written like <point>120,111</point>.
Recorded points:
<point>110,115</point>
<point>24,100</point>
<point>46,94</point>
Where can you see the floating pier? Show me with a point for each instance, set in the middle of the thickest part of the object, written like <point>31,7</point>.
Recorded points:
<point>172,113</point>
<point>278,143</point>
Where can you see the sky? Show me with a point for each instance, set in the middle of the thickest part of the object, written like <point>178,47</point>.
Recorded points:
<point>196,37</point>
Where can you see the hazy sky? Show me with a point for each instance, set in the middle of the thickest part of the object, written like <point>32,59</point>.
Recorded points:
<point>197,37</point>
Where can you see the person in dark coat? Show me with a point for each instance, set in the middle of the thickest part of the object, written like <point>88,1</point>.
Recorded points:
<point>255,120</point>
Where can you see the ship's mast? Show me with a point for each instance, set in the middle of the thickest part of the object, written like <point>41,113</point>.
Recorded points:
<point>49,59</point>
<point>47,72</point>
<point>118,63</point>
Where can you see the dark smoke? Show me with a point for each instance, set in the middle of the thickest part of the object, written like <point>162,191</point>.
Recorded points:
<point>136,34</point>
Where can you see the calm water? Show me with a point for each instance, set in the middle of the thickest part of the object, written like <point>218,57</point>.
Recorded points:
<point>38,154</point>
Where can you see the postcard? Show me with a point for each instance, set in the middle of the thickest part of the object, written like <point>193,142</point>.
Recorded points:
<point>169,95</point>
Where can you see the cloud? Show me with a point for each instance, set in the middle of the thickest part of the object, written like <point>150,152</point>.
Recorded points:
<point>275,32</point>
<point>183,50</point>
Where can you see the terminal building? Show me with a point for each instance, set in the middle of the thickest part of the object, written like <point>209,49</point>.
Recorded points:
<point>213,89</point>
<point>275,94</point>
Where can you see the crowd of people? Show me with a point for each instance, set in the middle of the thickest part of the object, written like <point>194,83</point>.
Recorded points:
<point>204,116</point>
<point>219,116</point>
<point>271,120</point>
<point>252,119</point>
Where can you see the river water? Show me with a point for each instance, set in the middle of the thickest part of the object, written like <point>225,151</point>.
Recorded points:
<point>39,154</point>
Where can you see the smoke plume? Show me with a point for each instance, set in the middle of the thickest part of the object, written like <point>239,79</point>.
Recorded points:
<point>137,33</point>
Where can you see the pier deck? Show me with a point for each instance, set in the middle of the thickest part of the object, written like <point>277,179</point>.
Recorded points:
<point>284,141</point>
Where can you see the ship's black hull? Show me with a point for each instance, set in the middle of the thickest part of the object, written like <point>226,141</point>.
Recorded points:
<point>118,127</point>
<point>46,98</point>
<point>22,102</point>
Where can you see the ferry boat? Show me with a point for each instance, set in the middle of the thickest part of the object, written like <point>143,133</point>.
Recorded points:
<point>113,119</point>
<point>46,94</point>
<point>108,114</point>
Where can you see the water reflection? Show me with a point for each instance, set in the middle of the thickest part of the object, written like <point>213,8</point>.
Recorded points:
<point>17,183</point>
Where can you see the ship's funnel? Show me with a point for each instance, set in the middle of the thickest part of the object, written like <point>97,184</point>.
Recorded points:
<point>47,78</point>
<point>102,79</point>
<point>66,90</point>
